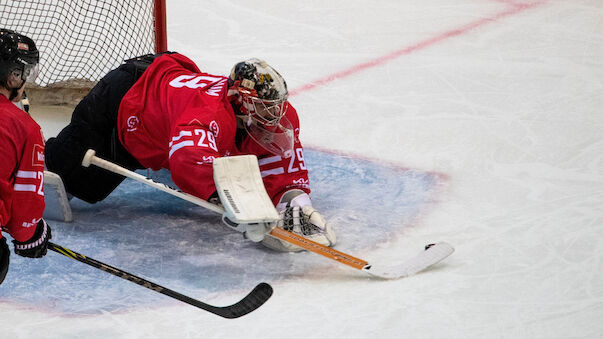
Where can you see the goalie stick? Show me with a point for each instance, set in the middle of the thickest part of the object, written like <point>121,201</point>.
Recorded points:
<point>432,254</point>
<point>256,298</point>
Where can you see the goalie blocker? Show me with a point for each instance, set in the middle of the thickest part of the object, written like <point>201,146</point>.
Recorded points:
<point>249,209</point>
<point>247,206</point>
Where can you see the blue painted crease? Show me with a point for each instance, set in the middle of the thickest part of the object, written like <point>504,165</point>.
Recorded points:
<point>186,248</point>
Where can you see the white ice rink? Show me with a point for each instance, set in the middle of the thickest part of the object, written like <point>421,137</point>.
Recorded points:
<point>490,108</point>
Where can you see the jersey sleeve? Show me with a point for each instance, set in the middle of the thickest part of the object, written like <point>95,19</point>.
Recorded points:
<point>278,173</point>
<point>283,174</point>
<point>8,154</point>
<point>22,184</point>
<point>191,155</point>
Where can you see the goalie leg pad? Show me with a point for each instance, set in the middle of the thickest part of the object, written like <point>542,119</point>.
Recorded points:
<point>55,196</point>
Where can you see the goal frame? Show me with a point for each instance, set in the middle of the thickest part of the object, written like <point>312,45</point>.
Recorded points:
<point>160,26</point>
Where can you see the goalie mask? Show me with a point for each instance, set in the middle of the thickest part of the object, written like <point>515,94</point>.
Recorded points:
<point>259,94</point>
<point>19,59</point>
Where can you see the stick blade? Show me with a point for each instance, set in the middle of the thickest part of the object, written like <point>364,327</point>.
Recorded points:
<point>431,256</point>
<point>252,301</point>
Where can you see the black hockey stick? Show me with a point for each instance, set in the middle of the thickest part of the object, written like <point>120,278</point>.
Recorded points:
<point>256,298</point>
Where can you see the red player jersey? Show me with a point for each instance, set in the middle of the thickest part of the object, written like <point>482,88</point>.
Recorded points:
<point>21,171</point>
<point>179,118</point>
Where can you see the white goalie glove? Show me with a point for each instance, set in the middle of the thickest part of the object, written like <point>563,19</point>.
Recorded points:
<point>298,216</point>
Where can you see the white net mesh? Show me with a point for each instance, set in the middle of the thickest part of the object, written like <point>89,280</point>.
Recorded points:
<point>82,39</point>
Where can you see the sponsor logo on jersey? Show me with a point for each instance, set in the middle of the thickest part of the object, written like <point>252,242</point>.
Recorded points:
<point>207,160</point>
<point>302,183</point>
<point>38,156</point>
<point>33,223</point>
<point>132,123</point>
<point>214,128</point>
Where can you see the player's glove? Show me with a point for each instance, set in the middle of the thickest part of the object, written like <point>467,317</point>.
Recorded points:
<point>4,256</point>
<point>37,246</point>
<point>298,216</point>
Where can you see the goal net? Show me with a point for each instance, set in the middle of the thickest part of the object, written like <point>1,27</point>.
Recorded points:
<point>81,40</point>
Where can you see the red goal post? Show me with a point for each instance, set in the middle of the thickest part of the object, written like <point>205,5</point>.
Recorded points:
<point>81,40</point>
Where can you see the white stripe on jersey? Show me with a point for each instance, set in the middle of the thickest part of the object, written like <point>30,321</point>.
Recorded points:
<point>275,171</point>
<point>27,174</point>
<point>182,134</point>
<point>179,146</point>
<point>25,188</point>
<point>269,160</point>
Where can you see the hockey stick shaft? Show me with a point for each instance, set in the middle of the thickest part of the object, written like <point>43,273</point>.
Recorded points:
<point>252,301</point>
<point>317,248</point>
<point>91,158</point>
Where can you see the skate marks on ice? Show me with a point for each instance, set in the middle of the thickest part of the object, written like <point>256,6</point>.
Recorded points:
<point>186,248</point>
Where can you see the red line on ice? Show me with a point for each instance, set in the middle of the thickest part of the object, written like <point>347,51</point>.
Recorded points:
<point>515,8</point>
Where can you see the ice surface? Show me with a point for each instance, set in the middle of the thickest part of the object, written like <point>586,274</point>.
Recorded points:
<point>184,247</point>
<point>475,122</point>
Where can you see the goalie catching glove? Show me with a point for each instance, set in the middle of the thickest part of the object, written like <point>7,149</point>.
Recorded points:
<point>298,216</point>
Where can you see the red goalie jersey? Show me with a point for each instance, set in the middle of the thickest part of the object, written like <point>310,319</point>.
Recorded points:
<point>179,118</point>
<point>21,171</point>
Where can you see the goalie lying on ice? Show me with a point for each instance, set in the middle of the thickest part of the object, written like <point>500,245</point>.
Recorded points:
<point>161,111</point>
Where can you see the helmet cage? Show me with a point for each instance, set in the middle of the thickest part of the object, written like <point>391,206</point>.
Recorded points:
<point>277,140</point>
<point>264,111</point>
<point>26,72</point>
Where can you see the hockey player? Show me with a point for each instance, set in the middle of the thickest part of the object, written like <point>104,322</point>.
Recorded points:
<point>21,155</point>
<point>161,111</point>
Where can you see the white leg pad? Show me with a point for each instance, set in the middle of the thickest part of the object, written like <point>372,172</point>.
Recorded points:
<point>55,196</point>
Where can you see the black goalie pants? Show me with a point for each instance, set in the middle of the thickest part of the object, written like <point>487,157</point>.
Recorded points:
<point>93,126</point>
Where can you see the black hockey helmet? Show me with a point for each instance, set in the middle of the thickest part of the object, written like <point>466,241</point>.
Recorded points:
<point>19,57</point>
